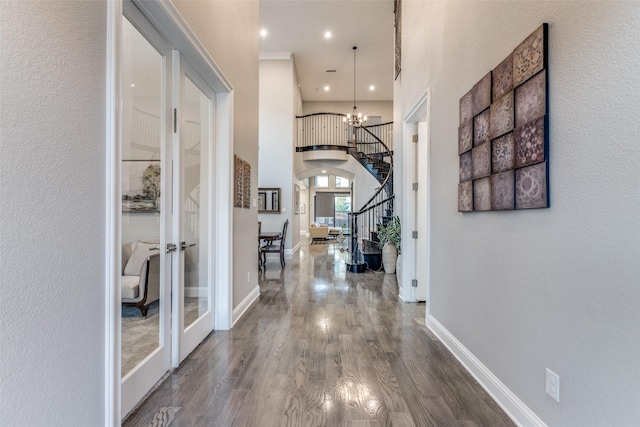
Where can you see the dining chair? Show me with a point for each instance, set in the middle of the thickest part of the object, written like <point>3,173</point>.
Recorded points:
<point>259,233</point>
<point>275,246</point>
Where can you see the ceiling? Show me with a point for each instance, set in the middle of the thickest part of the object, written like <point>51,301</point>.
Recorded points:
<point>298,27</point>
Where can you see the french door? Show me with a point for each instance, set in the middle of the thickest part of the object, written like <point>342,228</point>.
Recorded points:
<point>168,130</point>
<point>192,280</point>
<point>147,184</point>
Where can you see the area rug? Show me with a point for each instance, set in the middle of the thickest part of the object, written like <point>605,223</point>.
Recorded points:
<point>140,336</point>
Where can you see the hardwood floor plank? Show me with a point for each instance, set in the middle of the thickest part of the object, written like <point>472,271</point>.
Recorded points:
<point>322,347</point>
<point>315,414</point>
<point>232,409</point>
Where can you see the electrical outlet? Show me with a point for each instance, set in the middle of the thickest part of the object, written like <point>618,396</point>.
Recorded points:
<point>552,386</point>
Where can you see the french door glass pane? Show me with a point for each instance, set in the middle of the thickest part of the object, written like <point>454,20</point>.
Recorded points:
<point>141,198</point>
<point>195,202</point>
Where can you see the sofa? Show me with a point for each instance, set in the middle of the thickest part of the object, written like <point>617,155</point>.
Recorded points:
<point>140,274</point>
<point>322,232</point>
<point>318,232</point>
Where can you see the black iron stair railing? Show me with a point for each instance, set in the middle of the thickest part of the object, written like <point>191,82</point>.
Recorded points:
<point>379,208</point>
<point>327,131</point>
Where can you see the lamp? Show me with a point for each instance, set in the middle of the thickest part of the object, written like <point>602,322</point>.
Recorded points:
<point>354,119</point>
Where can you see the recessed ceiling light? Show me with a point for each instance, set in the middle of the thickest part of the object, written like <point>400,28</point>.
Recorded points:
<point>372,87</point>
<point>133,85</point>
<point>326,88</point>
<point>263,33</point>
<point>324,171</point>
<point>327,35</point>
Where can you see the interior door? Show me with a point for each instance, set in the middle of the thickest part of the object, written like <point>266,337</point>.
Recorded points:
<point>145,339</point>
<point>194,318</point>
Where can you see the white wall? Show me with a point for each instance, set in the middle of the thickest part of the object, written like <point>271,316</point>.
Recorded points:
<point>370,108</point>
<point>52,202</point>
<point>553,288</point>
<point>277,116</point>
<point>228,31</point>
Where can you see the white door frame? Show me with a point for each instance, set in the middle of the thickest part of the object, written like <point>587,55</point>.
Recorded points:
<point>166,19</point>
<point>414,217</point>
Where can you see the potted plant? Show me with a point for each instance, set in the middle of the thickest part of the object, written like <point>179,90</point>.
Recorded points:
<point>389,240</point>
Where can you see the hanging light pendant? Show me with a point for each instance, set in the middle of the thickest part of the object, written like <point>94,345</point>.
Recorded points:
<point>355,118</point>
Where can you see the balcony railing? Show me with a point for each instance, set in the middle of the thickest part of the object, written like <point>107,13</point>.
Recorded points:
<point>328,130</point>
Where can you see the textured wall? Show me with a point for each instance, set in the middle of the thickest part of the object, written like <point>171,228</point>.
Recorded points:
<point>52,109</point>
<point>558,287</point>
<point>229,31</point>
<point>277,110</point>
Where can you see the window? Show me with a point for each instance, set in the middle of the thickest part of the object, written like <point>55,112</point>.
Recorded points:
<point>342,182</point>
<point>332,209</point>
<point>322,181</point>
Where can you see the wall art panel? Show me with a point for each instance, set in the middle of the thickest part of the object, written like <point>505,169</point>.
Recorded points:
<point>481,128</point>
<point>529,143</point>
<point>481,94</point>
<point>466,107</point>
<point>465,137</point>
<point>502,191</point>
<point>481,161</point>
<point>503,153</point>
<point>465,167</point>
<point>530,57</point>
<point>482,194</point>
<point>503,134</point>
<point>501,116</point>
<point>502,78</point>
<point>531,187</point>
<point>465,196</point>
<point>531,99</point>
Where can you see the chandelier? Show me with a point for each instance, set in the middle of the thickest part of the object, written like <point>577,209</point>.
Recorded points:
<point>355,118</point>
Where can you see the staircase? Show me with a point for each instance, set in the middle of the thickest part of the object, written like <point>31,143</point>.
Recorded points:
<point>322,131</point>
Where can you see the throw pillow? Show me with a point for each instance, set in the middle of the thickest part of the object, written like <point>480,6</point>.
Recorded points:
<point>139,256</point>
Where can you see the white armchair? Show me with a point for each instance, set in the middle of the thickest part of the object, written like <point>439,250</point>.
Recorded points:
<point>140,275</point>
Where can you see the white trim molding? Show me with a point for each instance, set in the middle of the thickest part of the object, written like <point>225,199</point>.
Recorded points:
<point>113,260</point>
<point>244,305</point>
<point>289,252</point>
<point>508,401</point>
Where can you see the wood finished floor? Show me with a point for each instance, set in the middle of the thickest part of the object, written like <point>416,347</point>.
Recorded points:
<point>322,347</point>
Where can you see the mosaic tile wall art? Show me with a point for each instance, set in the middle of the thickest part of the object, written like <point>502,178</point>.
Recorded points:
<point>503,136</point>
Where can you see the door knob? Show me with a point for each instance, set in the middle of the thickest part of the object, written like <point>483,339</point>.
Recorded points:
<point>171,247</point>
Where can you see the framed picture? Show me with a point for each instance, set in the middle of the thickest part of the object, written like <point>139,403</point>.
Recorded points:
<point>296,195</point>
<point>262,201</point>
<point>246,185</point>
<point>141,186</point>
<point>397,12</point>
<point>238,172</point>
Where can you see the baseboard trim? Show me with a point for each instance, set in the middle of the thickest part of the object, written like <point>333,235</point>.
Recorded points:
<point>290,252</point>
<point>239,311</point>
<point>508,401</point>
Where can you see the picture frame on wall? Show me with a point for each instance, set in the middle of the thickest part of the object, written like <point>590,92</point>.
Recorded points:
<point>238,172</point>
<point>397,12</point>
<point>141,186</point>
<point>246,185</point>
